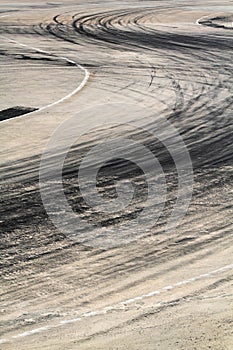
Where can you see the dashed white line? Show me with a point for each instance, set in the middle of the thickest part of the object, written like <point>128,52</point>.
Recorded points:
<point>117,307</point>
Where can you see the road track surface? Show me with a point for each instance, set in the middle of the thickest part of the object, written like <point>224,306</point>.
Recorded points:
<point>162,290</point>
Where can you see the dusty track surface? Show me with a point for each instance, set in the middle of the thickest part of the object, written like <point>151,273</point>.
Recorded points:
<point>162,291</point>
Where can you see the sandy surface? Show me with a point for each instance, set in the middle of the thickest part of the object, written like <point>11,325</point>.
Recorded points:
<point>158,60</point>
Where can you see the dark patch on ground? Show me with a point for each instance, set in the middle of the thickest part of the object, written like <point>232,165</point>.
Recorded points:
<point>15,112</point>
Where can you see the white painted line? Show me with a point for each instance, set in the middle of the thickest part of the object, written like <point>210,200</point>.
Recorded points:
<point>200,19</point>
<point>72,93</point>
<point>33,331</point>
<point>117,307</point>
